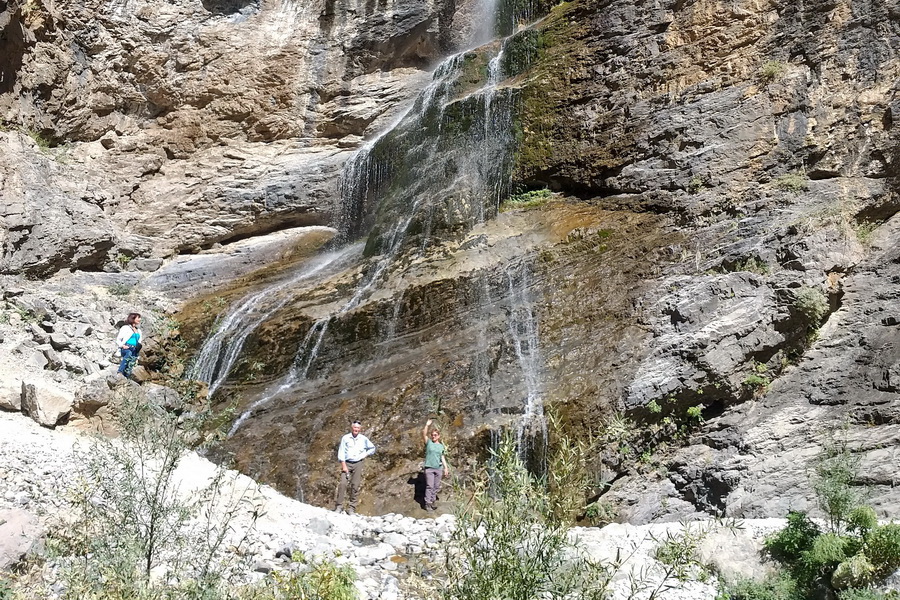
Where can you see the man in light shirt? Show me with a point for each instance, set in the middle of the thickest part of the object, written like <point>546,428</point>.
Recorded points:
<point>352,451</point>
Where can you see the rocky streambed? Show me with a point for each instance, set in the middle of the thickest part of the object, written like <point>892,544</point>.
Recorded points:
<point>391,555</point>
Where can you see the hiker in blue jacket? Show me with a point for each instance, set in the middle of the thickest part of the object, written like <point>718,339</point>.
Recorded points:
<point>129,341</point>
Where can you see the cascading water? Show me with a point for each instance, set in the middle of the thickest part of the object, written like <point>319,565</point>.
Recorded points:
<point>531,434</point>
<point>223,346</point>
<point>442,168</point>
<point>420,181</point>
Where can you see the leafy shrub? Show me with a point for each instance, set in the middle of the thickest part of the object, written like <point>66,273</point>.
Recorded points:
<point>600,513</point>
<point>834,474</point>
<point>772,70</point>
<point>524,200</point>
<point>812,304</point>
<point>119,289</point>
<point>321,580</point>
<point>827,552</point>
<point>131,518</point>
<point>882,546</point>
<point>520,551</point>
<point>797,537</point>
<point>795,182</point>
<point>773,588</point>
<point>854,572</point>
<point>862,519</point>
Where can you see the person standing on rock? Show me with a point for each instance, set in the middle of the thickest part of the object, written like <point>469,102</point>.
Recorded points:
<point>129,341</point>
<point>435,464</point>
<point>352,451</point>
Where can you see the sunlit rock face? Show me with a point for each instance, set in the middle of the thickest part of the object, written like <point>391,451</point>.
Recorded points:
<point>187,124</point>
<point>716,268</point>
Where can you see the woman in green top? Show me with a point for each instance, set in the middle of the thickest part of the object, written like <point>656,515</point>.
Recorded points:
<point>435,464</point>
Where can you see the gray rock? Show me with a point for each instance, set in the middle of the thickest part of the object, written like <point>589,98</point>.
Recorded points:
<point>20,532</point>
<point>54,360</point>
<point>163,396</point>
<point>734,555</point>
<point>45,405</point>
<point>10,396</point>
<point>92,396</point>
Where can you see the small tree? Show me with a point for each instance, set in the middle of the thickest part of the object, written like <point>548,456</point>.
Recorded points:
<point>509,545</point>
<point>132,516</point>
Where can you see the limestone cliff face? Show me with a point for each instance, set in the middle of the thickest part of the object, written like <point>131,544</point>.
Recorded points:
<point>723,234</point>
<point>191,123</point>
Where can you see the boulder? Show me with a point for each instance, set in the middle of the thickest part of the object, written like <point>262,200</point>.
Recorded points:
<point>10,397</point>
<point>735,555</point>
<point>54,362</point>
<point>20,532</point>
<point>93,396</point>
<point>45,405</point>
<point>60,341</point>
<point>162,396</point>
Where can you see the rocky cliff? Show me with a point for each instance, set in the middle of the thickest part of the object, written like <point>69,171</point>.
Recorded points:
<point>708,289</point>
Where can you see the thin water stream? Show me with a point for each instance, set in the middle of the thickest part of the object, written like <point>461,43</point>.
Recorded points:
<point>441,168</point>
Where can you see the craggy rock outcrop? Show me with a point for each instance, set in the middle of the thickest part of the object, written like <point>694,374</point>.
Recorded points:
<point>745,127</point>
<point>173,127</point>
<point>711,292</point>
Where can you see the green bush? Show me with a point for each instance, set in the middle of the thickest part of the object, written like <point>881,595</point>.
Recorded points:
<point>773,588</point>
<point>507,544</point>
<point>827,552</point>
<point>852,573</point>
<point>772,70</point>
<point>833,483</point>
<point>524,200</point>
<point>862,519</point>
<point>882,546</point>
<point>131,519</point>
<point>321,580</point>
<point>795,182</point>
<point>812,304</point>
<point>788,544</point>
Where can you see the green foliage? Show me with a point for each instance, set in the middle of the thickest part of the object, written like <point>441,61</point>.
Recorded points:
<point>695,412</point>
<point>862,519</point>
<point>756,382</point>
<point>526,200</point>
<point>131,517</point>
<point>812,304</point>
<point>695,185</point>
<point>826,552</point>
<point>600,513</point>
<point>654,407</point>
<point>772,70</point>
<point>857,571</point>
<point>39,140</point>
<point>794,182</point>
<point>6,589</point>
<point>680,553</point>
<point>753,264</point>
<point>774,588</point>
<point>865,230</point>
<point>834,473</point>
<point>521,551</point>
<point>119,289</point>
<point>321,580</point>
<point>799,534</point>
<point>882,546</point>
<point>853,554</point>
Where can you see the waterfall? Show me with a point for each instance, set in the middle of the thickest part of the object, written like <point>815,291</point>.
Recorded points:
<point>223,346</point>
<point>531,433</point>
